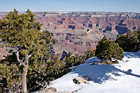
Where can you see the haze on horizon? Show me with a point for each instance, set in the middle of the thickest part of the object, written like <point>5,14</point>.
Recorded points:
<point>71,5</point>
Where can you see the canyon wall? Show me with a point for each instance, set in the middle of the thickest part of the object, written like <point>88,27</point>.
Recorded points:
<point>80,31</point>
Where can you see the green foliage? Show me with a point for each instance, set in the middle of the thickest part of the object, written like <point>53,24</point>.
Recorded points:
<point>73,60</point>
<point>106,50</point>
<point>24,52</point>
<point>129,42</point>
<point>89,54</point>
<point>21,32</point>
<point>9,78</point>
<point>44,72</point>
<point>55,68</point>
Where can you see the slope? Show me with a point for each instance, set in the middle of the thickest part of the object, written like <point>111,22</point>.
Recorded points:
<point>118,78</point>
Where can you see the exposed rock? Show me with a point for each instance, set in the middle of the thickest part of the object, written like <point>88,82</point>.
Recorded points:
<point>80,31</point>
<point>81,80</point>
<point>49,90</point>
<point>67,29</point>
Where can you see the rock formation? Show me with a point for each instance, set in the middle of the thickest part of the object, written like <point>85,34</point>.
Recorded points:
<point>80,31</point>
<point>81,80</point>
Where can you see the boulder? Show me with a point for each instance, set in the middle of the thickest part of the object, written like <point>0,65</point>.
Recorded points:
<point>49,90</point>
<point>81,80</point>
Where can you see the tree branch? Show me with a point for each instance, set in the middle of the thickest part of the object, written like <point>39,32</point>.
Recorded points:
<point>30,55</point>
<point>43,84</point>
<point>20,61</point>
<point>17,55</point>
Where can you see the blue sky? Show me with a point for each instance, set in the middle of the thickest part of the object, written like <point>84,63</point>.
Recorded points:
<point>71,5</point>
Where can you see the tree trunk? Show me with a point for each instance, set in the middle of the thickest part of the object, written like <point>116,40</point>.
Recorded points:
<point>25,70</point>
<point>24,82</point>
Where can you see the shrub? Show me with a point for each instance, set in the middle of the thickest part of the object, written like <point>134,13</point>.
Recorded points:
<point>106,50</point>
<point>129,42</point>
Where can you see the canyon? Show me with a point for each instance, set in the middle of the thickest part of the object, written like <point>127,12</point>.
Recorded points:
<point>78,32</point>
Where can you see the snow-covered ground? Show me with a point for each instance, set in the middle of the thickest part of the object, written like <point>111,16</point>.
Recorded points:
<point>118,78</point>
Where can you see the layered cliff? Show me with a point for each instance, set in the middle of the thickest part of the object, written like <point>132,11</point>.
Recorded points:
<point>80,31</point>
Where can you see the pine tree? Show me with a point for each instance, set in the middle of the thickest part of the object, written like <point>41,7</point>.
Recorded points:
<point>73,60</point>
<point>31,46</point>
<point>129,42</point>
<point>106,50</point>
<point>89,54</point>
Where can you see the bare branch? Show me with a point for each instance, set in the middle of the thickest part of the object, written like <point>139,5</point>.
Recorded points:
<point>22,63</point>
<point>17,55</point>
<point>30,55</point>
<point>43,84</point>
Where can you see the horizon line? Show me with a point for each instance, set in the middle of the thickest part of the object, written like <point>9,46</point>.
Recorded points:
<point>76,11</point>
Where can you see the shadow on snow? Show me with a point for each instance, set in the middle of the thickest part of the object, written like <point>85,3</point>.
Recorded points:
<point>132,54</point>
<point>101,73</point>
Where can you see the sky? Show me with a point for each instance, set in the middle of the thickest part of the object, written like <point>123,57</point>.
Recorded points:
<point>71,5</point>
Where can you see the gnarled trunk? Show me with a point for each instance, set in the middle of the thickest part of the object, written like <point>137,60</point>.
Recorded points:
<point>25,70</point>
<point>24,81</point>
<point>24,62</point>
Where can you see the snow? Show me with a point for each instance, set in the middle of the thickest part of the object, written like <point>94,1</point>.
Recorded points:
<point>117,78</point>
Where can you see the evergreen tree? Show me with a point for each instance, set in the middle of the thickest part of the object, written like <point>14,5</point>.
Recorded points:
<point>31,46</point>
<point>68,60</point>
<point>89,54</point>
<point>129,42</point>
<point>73,60</point>
<point>106,50</point>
